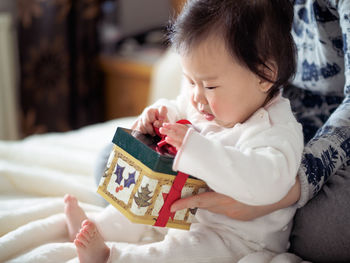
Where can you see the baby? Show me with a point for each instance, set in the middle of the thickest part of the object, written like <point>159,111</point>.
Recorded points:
<point>245,143</point>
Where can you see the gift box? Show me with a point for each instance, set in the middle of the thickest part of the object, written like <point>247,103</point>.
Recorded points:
<point>140,183</point>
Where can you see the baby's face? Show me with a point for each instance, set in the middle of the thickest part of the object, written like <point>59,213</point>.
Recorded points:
<point>221,89</point>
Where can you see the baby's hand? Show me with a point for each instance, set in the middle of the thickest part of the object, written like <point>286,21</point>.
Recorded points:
<point>175,133</point>
<point>149,118</point>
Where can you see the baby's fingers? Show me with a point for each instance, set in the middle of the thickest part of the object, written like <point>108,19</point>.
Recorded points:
<point>147,120</point>
<point>163,114</point>
<point>168,129</point>
<point>135,125</point>
<point>147,127</point>
<point>162,117</point>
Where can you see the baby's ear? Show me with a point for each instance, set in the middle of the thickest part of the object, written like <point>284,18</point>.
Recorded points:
<point>270,72</point>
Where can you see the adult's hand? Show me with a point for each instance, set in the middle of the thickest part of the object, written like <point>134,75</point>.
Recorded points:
<point>222,204</point>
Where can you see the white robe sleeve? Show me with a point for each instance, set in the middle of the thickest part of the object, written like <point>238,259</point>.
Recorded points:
<point>258,170</point>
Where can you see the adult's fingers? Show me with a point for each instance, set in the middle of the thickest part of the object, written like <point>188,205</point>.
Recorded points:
<point>203,200</point>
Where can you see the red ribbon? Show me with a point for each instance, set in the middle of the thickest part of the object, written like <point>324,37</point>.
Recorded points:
<point>174,194</point>
<point>176,188</point>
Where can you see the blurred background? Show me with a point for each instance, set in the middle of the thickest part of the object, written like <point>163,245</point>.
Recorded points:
<point>65,64</point>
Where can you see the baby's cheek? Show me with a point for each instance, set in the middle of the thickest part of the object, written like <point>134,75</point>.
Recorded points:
<point>214,107</point>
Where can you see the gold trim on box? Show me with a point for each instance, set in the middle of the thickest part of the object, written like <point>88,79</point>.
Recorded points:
<point>162,178</point>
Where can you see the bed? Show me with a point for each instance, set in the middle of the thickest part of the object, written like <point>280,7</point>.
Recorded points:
<point>35,174</point>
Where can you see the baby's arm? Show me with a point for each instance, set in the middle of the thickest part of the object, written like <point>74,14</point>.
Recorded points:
<point>259,172</point>
<point>225,205</point>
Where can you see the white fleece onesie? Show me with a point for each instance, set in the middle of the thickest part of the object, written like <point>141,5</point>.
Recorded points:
<point>254,162</point>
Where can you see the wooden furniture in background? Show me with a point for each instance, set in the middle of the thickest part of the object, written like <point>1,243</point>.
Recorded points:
<point>177,5</point>
<point>128,80</point>
<point>127,85</point>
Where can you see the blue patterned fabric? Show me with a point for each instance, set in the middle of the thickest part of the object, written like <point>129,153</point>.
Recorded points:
<point>320,91</point>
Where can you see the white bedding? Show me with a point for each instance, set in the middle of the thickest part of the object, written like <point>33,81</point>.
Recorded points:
<point>35,174</point>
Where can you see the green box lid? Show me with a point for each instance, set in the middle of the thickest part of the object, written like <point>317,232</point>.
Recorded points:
<point>142,147</point>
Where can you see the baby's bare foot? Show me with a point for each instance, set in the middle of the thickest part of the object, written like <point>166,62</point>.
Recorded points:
<point>90,245</point>
<point>75,215</point>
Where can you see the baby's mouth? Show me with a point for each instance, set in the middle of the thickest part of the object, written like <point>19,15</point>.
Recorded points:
<point>208,116</point>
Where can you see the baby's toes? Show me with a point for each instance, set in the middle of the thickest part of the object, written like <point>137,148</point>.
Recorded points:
<point>78,243</point>
<point>83,237</point>
<point>89,229</point>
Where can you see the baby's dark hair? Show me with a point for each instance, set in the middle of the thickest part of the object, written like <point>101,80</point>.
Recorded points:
<point>256,32</point>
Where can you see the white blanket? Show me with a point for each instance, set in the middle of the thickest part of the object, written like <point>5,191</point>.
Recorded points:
<point>35,174</point>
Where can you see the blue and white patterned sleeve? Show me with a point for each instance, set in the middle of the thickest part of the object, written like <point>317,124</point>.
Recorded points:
<point>329,149</point>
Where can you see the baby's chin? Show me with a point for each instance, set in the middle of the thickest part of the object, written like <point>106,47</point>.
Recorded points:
<point>225,124</point>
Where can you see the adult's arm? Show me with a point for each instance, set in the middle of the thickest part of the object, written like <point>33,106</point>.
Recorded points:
<point>329,149</point>
<point>222,204</point>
